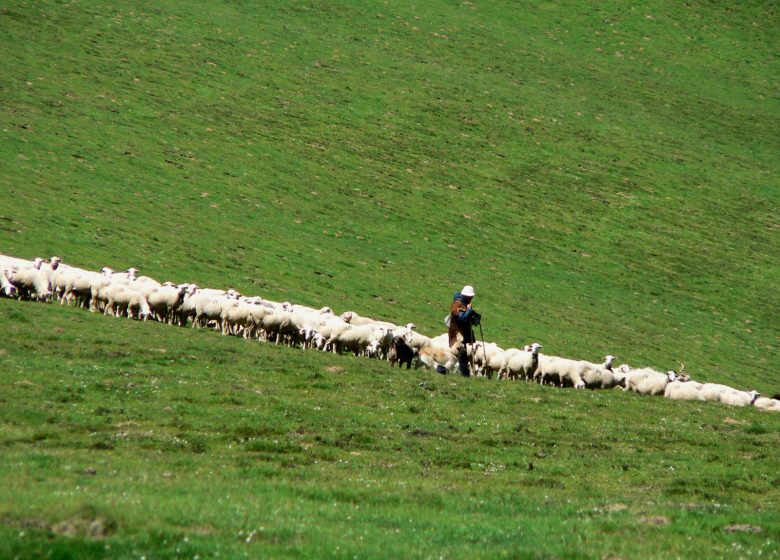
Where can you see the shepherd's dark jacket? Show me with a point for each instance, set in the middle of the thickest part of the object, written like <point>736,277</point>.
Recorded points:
<point>461,320</point>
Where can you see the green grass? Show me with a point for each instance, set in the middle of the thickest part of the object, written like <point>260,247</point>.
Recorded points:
<point>174,443</point>
<point>605,176</point>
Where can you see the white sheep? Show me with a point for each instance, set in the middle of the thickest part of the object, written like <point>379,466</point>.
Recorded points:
<point>602,376</point>
<point>679,390</point>
<point>124,301</point>
<point>559,371</point>
<point>212,309</point>
<point>735,397</point>
<point>647,381</point>
<point>712,391</point>
<point>7,288</point>
<point>488,358</point>
<point>329,327</point>
<point>31,282</point>
<point>357,338</point>
<point>165,300</point>
<point>770,405</point>
<point>522,364</point>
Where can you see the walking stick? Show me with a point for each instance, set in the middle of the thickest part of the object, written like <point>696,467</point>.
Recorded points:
<point>482,337</point>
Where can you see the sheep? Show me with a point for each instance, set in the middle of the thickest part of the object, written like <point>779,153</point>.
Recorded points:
<point>441,341</point>
<point>31,282</point>
<point>165,300</point>
<point>126,301</point>
<point>60,275</point>
<point>14,262</point>
<point>712,391</point>
<point>280,326</point>
<point>129,275</point>
<point>601,376</point>
<point>8,289</point>
<point>145,285</point>
<point>558,371</point>
<point>647,381</point>
<point>199,296</point>
<point>433,356</point>
<point>356,338</point>
<point>208,309</point>
<point>308,321</point>
<point>243,316</point>
<point>401,352</point>
<point>391,329</point>
<point>736,397</point>
<point>521,364</point>
<point>416,341</point>
<point>78,286</point>
<point>679,390</point>
<point>354,319</point>
<point>770,405</point>
<point>488,358</point>
<point>327,328</point>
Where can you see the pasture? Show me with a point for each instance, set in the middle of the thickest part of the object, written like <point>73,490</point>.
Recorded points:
<point>605,176</point>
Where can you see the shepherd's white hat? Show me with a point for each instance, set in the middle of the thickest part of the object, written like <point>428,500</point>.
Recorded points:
<point>468,291</point>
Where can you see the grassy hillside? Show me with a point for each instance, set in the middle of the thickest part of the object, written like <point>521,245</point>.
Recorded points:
<point>126,439</point>
<point>605,176</point>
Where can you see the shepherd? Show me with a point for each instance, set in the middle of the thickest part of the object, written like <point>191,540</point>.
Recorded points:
<point>462,319</point>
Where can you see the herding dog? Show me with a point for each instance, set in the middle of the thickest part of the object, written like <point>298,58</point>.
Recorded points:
<point>432,356</point>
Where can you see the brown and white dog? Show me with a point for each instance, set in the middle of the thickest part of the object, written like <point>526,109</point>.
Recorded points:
<point>432,356</point>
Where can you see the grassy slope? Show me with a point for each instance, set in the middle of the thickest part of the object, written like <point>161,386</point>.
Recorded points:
<point>605,176</point>
<point>174,443</point>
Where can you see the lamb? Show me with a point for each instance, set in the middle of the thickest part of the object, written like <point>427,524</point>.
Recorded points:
<point>521,364</point>
<point>679,390</point>
<point>770,405</point>
<point>647,381</point>
<point>433,356</point>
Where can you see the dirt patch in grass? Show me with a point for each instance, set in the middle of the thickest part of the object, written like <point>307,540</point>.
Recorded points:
<point>98,528</point>
<point>658,520</point>
<point>742,528</point>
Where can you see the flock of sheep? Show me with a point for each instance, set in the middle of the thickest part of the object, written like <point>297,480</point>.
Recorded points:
<point>125,294</point>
